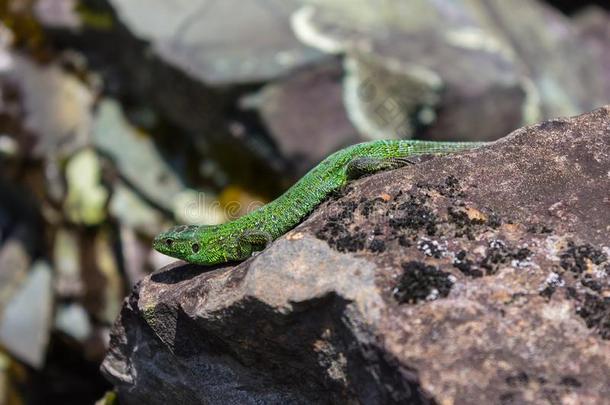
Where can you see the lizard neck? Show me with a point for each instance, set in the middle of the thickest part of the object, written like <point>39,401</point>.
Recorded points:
<point>289,209</point>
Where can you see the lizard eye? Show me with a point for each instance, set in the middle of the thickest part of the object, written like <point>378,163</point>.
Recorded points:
<point>195,247</point>
<point>169,242</point>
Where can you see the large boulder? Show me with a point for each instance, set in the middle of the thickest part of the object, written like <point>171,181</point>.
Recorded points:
<point>481,277</point>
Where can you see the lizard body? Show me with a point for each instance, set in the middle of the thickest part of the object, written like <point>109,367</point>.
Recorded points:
<point>239,239</point>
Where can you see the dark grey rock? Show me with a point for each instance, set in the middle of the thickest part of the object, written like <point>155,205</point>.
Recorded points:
<point>430,65</point>
<point>550,52</point>
<point>305,116</point>
<point>25,323</point>
<point>220,42</point>
<point>446,70</point>
<point>472,278</point>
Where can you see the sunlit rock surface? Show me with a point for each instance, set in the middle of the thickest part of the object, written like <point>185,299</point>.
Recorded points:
<point>474,278</point>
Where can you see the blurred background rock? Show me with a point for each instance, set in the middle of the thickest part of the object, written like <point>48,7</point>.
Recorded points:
<point>119,118</point>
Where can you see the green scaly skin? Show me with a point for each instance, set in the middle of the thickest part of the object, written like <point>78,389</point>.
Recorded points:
<point>239,239</point>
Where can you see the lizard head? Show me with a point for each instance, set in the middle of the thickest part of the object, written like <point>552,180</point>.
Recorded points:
<point>206,244</point>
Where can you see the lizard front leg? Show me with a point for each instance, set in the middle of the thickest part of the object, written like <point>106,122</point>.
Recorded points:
<point>253,240</point>
<point>364,166</point>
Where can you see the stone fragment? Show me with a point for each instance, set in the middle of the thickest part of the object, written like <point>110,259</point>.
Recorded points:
<point>134,212</point>
<point>593,26</point>
<point>104,285</point>
<point>135,256</point>
<point>57,13</point>
<point>220,42</point>
<point>56,106</point>
<point>86,200</point>
<point>15,262</point>
<point>135,155</point>
<point>26,321</point>
<point>73,320</point>
<point>67,265</point>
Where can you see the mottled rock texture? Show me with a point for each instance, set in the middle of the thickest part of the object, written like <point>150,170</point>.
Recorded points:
<point>478,278</point>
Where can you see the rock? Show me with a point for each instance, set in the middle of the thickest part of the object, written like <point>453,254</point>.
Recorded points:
<point>307,106</point>
<point>72,319</point>
<point>474,278</point>
<point>67,264</point>
<point>87,270</point>
<point>134,252</point>
<point>133,211</point>
<point>197,84</point>
<point>424,69</point>
<point>26,322</point>
<point>56,107</point>
<point>135,155</point>
<point>593,24</point>
<point>104,287</point>
<point>433,69</point>
<point>220,43</point>
<point>5,363</point>
<point>142,166</point>
<point>86,200</point>
<point>57,13</point>
<point>8,146</point>
<point>114,290</point>
<point>390,103</point>
<point>6,40</point>
<point>15,261</point>
<point>20,237</point>
<point>544,55</point>
<point>440,70</point>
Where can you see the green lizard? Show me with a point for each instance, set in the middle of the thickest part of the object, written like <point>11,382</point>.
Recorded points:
<point>239,239</point>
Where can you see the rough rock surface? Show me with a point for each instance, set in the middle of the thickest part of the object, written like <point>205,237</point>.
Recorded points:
<point>478,278</point>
